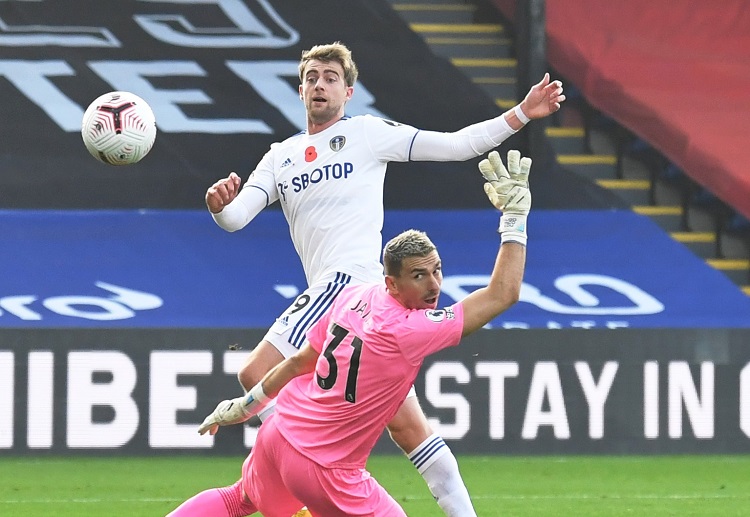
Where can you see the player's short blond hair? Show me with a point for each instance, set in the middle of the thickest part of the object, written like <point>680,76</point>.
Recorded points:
<point>411,243</point>
<point>337,52</point>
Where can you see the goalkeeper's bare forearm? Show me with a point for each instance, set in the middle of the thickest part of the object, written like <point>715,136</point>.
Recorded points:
<point>241,409</point>
<point>279,376</point>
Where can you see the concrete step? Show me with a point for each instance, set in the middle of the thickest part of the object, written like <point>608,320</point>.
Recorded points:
<point>591,166</point>
<point>435,2</point>
<point>499,69</point>
<point>702,244</point>
<point>632,192</point>
<point>736,269</point>
<point>488,47</point>
<point>484,30</point>
<point>735,246</point>
<point>502,88</point>
<point>669,218</point>
<point>567,140</point>
<point>436,12</point>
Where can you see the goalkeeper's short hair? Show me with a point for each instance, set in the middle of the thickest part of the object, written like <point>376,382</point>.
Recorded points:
<point>411,243</point>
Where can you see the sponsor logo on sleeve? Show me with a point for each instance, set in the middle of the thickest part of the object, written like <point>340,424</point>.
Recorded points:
<point>438,315</point>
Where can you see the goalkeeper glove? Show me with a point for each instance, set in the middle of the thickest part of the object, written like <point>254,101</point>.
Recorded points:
<point>235,411</point>
<point>508,190</point>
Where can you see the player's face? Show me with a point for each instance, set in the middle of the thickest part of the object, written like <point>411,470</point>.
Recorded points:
<point>418,285</point>
<point>324,91</point>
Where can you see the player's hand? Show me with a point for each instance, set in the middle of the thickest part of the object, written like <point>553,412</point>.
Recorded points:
<point>544,98</point>
<point>235,411</point>
<point>507,189</point>
<point>227,412</point>
<point>221,193</point>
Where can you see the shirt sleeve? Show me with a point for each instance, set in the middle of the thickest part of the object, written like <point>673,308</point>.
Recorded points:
<point>388,140</point>
<point>258,192</point>
<point>464,144</point>
<point>430,330</point>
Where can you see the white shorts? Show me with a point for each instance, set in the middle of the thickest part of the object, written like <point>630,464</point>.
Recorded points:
<point>289,332</point>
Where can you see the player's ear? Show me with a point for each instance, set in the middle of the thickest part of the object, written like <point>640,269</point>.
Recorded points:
<point>390,284</point>
<point>300,92</point>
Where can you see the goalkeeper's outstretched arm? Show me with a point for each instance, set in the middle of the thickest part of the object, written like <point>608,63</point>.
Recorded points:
<point>241,409</point>
<point>508,190</point>
<point>299,364</point>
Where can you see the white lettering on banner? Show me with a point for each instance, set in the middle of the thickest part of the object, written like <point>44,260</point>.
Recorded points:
<point>16,305</point>
<point>59,36</point>
<point>84,393</point>
<point>545,385</point>
<point>651,400</point>
<point>41,396</point>
<point>129,76</point>
<point>167,397</point>
<point>121,306</point>
<point>682,392</point>
<point>455,401</point>
<point>596,394</point>
<point>267,78</point>
<point>497,372</point>
<point>136,300</point>
<point>247,30</point>
<point>31,79</point>
<point>7,396</point>
<point>108,380</point>
<point>251,24</point>
<point>107,310</point>
<point>571,286</point>
<point>745,400</point>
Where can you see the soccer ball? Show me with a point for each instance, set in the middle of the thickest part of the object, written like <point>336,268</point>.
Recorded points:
<point>118,128</point>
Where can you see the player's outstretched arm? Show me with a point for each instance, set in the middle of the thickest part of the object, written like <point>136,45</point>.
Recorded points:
<point>543,99</point>
<point>241,409</point>
<point>508,190</point>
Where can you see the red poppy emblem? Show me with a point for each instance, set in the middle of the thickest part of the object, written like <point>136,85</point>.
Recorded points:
<point>310,154</point>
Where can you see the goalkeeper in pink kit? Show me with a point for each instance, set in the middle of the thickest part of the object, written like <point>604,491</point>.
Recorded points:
<point>336,395</point>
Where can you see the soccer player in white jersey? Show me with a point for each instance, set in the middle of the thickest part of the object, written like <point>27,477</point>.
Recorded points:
<point>329,181</point>
<point>355,369</point>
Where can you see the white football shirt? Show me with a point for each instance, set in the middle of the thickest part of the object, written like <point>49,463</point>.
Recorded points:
<point>330,186</point>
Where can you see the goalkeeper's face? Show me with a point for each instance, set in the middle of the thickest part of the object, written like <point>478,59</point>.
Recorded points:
<point>324,91</point>
<point>417,286</point>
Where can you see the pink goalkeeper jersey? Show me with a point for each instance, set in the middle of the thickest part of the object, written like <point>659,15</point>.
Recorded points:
<point>371,349</point>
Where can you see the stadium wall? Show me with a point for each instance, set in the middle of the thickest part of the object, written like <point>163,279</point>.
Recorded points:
<point>221,78</point>
<point>564,391</point>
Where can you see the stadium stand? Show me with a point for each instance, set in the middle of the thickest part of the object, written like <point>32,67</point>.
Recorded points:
<point>601,133</point>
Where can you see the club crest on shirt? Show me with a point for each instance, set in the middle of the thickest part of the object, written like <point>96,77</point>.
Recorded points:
<point>337,143</point>
<point>438,315</point>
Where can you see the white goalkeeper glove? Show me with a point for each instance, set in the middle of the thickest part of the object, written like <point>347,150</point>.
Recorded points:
<point>508,190</point>
<point>235,411</point>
